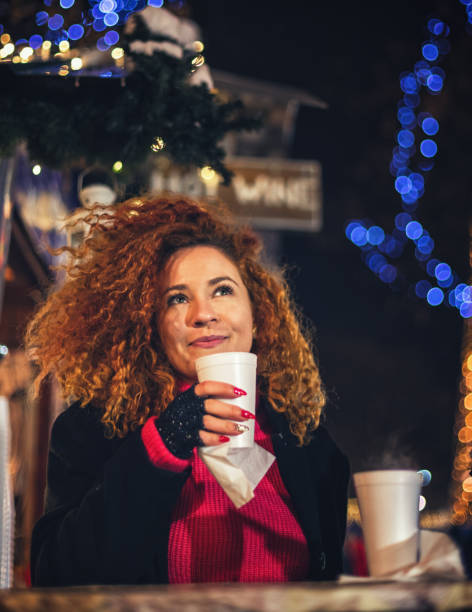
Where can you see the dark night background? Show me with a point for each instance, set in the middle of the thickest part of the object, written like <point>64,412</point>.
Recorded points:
<point>391,364</point>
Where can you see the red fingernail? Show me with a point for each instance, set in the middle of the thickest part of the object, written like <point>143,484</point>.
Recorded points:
<point>224,439</point>
<point>247,415</point>
<point>239,392</point>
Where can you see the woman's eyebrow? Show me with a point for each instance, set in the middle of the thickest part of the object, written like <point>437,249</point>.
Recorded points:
<point>211,282</point>
<point>175,288</point>
<point>218,279</point>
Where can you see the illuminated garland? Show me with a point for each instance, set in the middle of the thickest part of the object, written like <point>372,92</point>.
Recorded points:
<point>378,247</point>
<point>119,119</point>
<point>101,17</point>
<point>462,480</point>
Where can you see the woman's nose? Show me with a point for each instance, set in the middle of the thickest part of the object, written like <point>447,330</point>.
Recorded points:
<point>200,313</point>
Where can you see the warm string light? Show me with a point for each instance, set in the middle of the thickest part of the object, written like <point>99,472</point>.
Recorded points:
<point>461,472</point>
<point>103,16</point>
<point>207,174</point>
<point>461,478</point>
<point>158,144</point>
<point>415,135</point>
<point>76,63</point>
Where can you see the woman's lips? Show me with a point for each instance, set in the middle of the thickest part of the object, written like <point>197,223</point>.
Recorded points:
<point>208,341</point>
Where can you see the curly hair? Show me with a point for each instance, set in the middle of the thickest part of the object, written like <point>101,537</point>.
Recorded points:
<point>98,335</point>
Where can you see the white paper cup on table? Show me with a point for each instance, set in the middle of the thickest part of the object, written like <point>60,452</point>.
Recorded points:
<point>239,370</point>
<point>388,504</point>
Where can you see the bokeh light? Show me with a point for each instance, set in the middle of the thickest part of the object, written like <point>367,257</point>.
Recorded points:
<point>96,12</point>
<point>117,53</point>
<point>417,180</point>
<point>41,18</point>
<point>446,282</point>
<point>375,261</point>
<point>26,53</point>
<point>359,235</point>
<point>158,144</point>
<point>405,138</point>
<point>388,273</point>
<point>207,173</point>
<point>428,148</point>
<point>466,310</point>
<point>76,63</point>
<point>436,26</point>
<point>403,184</point>
<point>421,503</point>
<point>426,477</point>
<point>55,22</point>
<point>112,37</point>
<point>430,126</point>
<point>107,6</point>
<point>111,19</point>
<point>35,41</point>
<point>413,230</point>
<point>102,44</point>
<point>375,235</point>
<point>402,220</point>
<point>99,25</point>
<point>467,484</point>
<point>443,271</point>
<point>468,401</point>
<point>435,296</point>
<point>408,83</point>
<point>430,51</point>
<point>422,287</point>
<point>431,266</point>
<point>435,82</point>
<point>76,31</point>
<point>406,116</point>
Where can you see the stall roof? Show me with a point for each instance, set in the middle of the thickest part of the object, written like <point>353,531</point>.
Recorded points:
<point>276,91</point>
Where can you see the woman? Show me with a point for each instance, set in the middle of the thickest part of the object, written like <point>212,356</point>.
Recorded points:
<point>157,283</point>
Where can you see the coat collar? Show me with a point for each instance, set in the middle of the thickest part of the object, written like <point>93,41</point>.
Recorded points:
<point>299,477</point>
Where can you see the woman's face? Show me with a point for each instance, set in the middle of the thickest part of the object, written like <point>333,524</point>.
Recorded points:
<point>205,308</point>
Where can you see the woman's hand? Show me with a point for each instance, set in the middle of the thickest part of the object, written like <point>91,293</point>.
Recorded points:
<point>216,425</point>
<point>196,418</point>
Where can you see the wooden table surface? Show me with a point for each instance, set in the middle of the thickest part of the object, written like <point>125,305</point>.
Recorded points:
<point>294,597</point>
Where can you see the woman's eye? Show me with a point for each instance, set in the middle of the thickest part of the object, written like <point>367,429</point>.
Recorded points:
<point>224,290</point>
<point>177,298</point>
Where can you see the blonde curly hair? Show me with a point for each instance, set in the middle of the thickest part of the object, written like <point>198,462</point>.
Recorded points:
<point>97,333</point>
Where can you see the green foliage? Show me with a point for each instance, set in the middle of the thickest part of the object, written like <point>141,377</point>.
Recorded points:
<point>88,120</point>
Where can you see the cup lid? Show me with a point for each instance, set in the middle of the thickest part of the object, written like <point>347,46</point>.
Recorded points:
<point>376,477</point>
<point>232,357</point>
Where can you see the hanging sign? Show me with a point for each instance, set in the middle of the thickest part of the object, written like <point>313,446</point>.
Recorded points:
<point>268,193</point>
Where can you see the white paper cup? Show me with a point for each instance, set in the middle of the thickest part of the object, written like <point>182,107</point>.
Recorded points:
<point>388,503</point>
<point>239,370</point>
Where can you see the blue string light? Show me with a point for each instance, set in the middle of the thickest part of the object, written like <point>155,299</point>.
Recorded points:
<point>376,244</point>
<point>101,17</point>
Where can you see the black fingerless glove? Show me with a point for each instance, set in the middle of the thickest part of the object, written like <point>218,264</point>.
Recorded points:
<point>180,423</point>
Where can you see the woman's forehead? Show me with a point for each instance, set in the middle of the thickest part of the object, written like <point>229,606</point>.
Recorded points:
<point>198,261</point>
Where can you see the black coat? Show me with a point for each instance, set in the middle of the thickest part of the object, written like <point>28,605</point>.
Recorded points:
<point>108,508</point>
